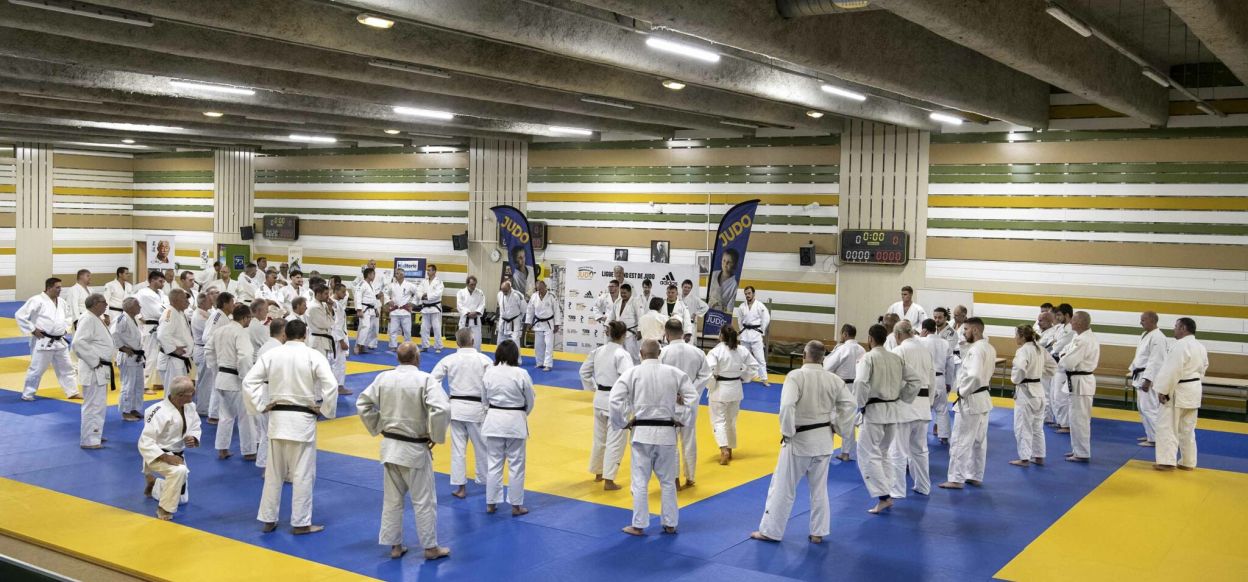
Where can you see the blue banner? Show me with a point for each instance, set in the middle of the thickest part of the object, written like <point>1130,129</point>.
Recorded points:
<point>413,268</point>
<point>726,263</point>
<point>514,234</point>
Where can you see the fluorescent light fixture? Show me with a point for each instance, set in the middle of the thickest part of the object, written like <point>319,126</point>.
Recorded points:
<point>682,49</point>
<point>1209,110</point>
<point>814,114</point>
<point>673,85</point>
<point>1069,20</point>
<point>80,9</point>
<point>429,113</point>
<point>69,99</point>
<point>433,135</point>
<point>570,130</point>
<point>945,118</point>
<point>212,88</point>
<point>846,93</point>
<point>106,145</point>
<point>374,21</point>
<point>597,101</point>
<point>130,126</point>
<point>312,138</point>
<point>392,131</point>
<point>739,124</point>
<point>397,66</point>
<point>439,149</point>
<point>1157,77</point>
<point>127,141</point>
<point>213,114</point>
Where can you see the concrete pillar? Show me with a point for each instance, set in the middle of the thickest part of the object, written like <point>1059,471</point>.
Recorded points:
<point>233,194</point>
<point>884,172</point>
<point>33,251</point>
<point>498,173</point>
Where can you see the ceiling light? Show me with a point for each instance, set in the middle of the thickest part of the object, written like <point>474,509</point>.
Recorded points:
<point>1069,20</point>
<point>213,88</point>
<point>739,124</point>
<point>430,113</point>
<point>597,101</point>
<point>673,85</point>
<point>682,49</point>
<point>1157,77</point>
<point>392,131</point>
<point>439,149</point>
<point>127,141</point>
<point>129,126</point>
<point>106,145</point>
<point>213,114</point>
<point>312,138</point>
<point>1209,110</point>
<point>846,93</point>
<point>397,66</point>
<point>70,99</point>
<point>945,118</point>
<point>571,130</point>
<point>433,135</point>
<point>374,21</point>
<point>80,9</point>
<point>814,114</point>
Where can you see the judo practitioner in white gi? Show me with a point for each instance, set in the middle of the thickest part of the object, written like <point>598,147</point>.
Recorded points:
<point>511,310</point>
<point>942,368</point>
<point>1031,365</point>
<point>94,347</point>
<point>1078,361</point>
<point>170,426</point>
<point>644,399</point>
<point>401,298</point>
<point>731,365</point>
<point>814,403</point>
<point>339,364</point>
<point>74,298</point>
<point>292,384</point>
<point>230,351</point>
<point>128,338</point>
<point>1179,390</point>
<point>601,369</point>
<point>410,411</point>
<point>42,317</point>
<point>909,448</point>
<point>509,397</point>
<point>843,361</point>
<point>204,311</point>
<point>968,449</point>
<point>152,304</point>
<point>463,371</point>
<point>628,311</point>
<point>884,394</point>
<point>116,292</point>
<point>674,308</point>
<point>694,305</point>
<point>692,362</point>
<point>1150,354</point>
<point>174,337</point>
<point>543,318</point>
<point>754,319</point>
<point>470,305</point>
<point>907,309</point>
<point>1059,394</point>
<point>430,298</point>
<point>367,312</point>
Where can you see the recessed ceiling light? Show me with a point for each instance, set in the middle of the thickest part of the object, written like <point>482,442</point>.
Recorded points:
<point>571,130</point>
<point>673,85</point>
<point>312,138</point>
<point>946,118</point>
<point>739,124</point>
<point>392,131</point>
<point>846,93</point>
<point>129,126</point>
<point>598,101</point>
<point>127,141</point>
<point>1156,77</point>
<point>213,88</point>
<point>439,149</point>
<point>107,145</point>
<point>408,68</point>
<point>430,113</point>
<point>682,49</point>
<point>374,21</point>
<point>79,9</point>
<point>814,114</point>
<point>213,114</point>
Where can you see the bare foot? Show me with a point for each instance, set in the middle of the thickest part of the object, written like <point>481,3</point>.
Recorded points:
<point>687,485</point>
<point>307,529</point>
<point>211,420</point>
<point>724,456</point>
<point>951,485</point>
<point>223,454</point>
<point>815,539</point>
<point>762,538</point>
<point>881,506</point>
<point>397,552</point>
<point>460,493</point>
<point>1037,460</point>
<point>1075,459</point>
<point>151,482</point>
<point>1020,462</point>
<point>633,531</point>
<point>437,553</point>
<point>1186,468</point>
<point>1063,430</point>
<point>74,397</point>
<point>91,447</point>
<point>165,515</point>
<point>598,478</point>
<point>975,482</point>
<point>944,442</point>
<point>250,457</point>
<point>1161,467</point>
<point>1141,439</point>
<point>668,529</point>
<point>344,391</point>
<point>1148,444</point>
<point>490,508</point>
<point>518,510</point>
<point>609,485</point>
<point>269,526</point>
<point>844,457</point>
<point>149,392</point>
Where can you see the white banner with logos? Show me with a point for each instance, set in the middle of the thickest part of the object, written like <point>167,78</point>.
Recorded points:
<point>585,280</point>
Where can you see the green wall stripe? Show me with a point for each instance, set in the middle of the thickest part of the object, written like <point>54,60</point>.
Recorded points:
<point>698,218</point>
<point>1108,168</point>
<point>1090,135</point>
<point>732,142</point>
<point>1152,227</point>
<point>363,212</point>
<point>683,170</point>
<point>192,176</point>
<point>706,179</point>
<point>1174,178</point>
<point>171,208</point>
<point>1127,330</point>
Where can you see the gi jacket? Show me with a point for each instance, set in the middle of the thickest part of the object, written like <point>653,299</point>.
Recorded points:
<point>603,367</point>
<point>94,347</point>
<point>464,370</point>
<point>508,387</point>
<point>405,401</point>
<point>297,375</point>
<point>650,391</point>
<point>978,362</point>
<point>812,395</point>
<point>1188,359</point>
<point>165,428</point>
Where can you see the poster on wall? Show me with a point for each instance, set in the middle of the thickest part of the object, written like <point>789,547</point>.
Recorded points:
<point>585,281</point>
<point>726,262</point>
<point>660,251</point>
<point>294,258</point>
<point>413,267</point>
<point>205,259</point>
<point>160,252</point>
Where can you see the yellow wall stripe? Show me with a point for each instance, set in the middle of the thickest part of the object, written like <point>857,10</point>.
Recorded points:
<point>683,198</point>
<point>92,250</point>
<point>355,262</point>
<point>8,188</point>
<point>1127,305</point>
<point>8,250</point>
<point>1103,202</point>
<point>295,195</point>
<point>172,194</point>
<point>793,286</point>
<point>103,192</point>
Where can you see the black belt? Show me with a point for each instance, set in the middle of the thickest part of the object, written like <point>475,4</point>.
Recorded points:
<point>1136,373</point>
<point>333,345</point>
<point>175,453</point>
<point>152,321</point>
<point>181,357</point>
<point>1070,375</point>
<point>604,388</point>
<point>653,422</point>
<point>957,352</point>
<point>757,328</point>
<point>510,319</point>
<point>427,305</point>
<point>543,319</point>
<point>139,356</point>
<point>806,427</point>
<point>405,438</point>
<point>473,319</point>
<point>49,336</point>
<point>871,401</point>
<point>115,309</point>
<point>472,398</point>
<point>728,378</point>
<point>1186,380</point>
<point>112,378</point>
<point>496,407</point>
<point>977,391</point>
<point>849,381</point>
<point>1029,381</point>
<point>940,373</point>
<point>923,393</point>
<point>294,408</point>
<point>227,370</point>
<point>372,308</point>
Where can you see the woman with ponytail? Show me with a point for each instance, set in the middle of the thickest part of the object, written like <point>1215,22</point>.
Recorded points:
<point>1030,364</point>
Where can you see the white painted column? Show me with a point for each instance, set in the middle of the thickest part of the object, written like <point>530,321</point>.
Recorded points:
<point>233,193</point>
<point>34,217</point>
<point>498,173</point>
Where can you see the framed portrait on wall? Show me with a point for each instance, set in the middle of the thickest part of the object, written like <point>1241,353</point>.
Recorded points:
<point>621,255</point>
<point>660,251</point>
<point>704,262</point>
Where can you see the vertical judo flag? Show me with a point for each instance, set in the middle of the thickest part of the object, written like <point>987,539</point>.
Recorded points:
<point>514,233</point>
<point>726,263</point>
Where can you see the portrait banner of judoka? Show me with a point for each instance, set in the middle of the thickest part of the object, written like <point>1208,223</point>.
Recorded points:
<point>160,252</point>
<point>726,264</point>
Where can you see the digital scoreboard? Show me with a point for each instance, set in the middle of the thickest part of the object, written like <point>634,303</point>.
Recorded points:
<point>875,247</point>
<point>278,227</point>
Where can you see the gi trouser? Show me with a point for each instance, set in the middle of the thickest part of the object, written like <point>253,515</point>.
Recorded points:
<point>59,360</point>
<point>294,461</point>
<point>544,344</point>
<point>1059,401</point>
<point>461,433</point>
<point>1176,434</point>
<point>874,441</point>
<point>513,330</point>
<point>168,489</point>
<point>758,349</point>
<point>940,408</point>
<point>367,323</point>
<point>174,368</point>
<point>968,450</point>
<point>512,451</point>
<point>1080,425</point>
<point>431,325</point>
<point>418,483</point>
<point>608,448</point>
<point>849,442</point>
<point>400,325</point>
<point>1028,424</point>
<point>724,422</point>
<point>205,384</point>
<point>1149,409</point>
<point>475,325</point>
<point>687,436</point>
<point>232,412</point>
<point>131,398</point>
<point>660,460</point>
<point>94,405</point>
<point>909,449</point>
<point>790,469</point>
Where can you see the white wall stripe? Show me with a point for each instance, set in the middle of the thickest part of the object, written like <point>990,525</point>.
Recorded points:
<point>1063,215</point>
<point>1091,189</point>
<point>1088,236</point>
<point>645,188</point>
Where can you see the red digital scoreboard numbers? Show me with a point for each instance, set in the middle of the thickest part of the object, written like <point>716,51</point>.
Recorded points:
<point>875,247</point>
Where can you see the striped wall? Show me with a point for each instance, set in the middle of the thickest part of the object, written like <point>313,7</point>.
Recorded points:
<point>1113,222</point>
<point>600,197</point>
<point>8,221</point>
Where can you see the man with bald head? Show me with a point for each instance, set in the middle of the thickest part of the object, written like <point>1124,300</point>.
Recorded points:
<point>1079,360</point>
<point>174,337</point>
<point>1150,354</point>
<point>464,371</point>
<point>645,399</point>
<point>170,426</point>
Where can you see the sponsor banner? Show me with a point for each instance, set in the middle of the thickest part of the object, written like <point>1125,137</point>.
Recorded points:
<point>515,236</point>
<point>585,281</point>
<point>413,268</point>
<point>726,263</point>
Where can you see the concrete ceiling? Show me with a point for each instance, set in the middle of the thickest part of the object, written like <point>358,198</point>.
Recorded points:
<point>520,68</point>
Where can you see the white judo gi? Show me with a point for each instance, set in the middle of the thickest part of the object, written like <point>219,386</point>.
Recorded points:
<point>645,398</point>
<point>909,448</point>
<point>543,316</point>
<point>152,306</point>
<point>814,403</point>
<point>968,449</point>
<point>1031,365</point>
<point>843,361</point>
<point>692,362</point>
<point>883,396</point>
<point>409,410</point>
<point>174,334</point>
<point>509,397</point>
<point>1180,378</point>
<point>729,369</point>
<point>402,298</point>
<point>367,315</point>
<point>204,382</point>
<point>115,293</point>
<point>165,430</point>
<point>915,315</point>
<point>48,316</point>
<point>320,320</point>
<point>630,313</point>
<point>1059,395</point>
<point>94,347</point>
<point>1078,363</point>
<point>463,372</point>
<point>754,319</point>
<point>342,339</point>
<point>511,310</point>
<point>230,352</point>
<point>430,300</point>
<point>942,364</point>
<point>1150,354</point>
<point>295,383</point>
<point>467,302</point>
<point>602,367</point>
<point>127,333</point>
<point>677,310</point>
